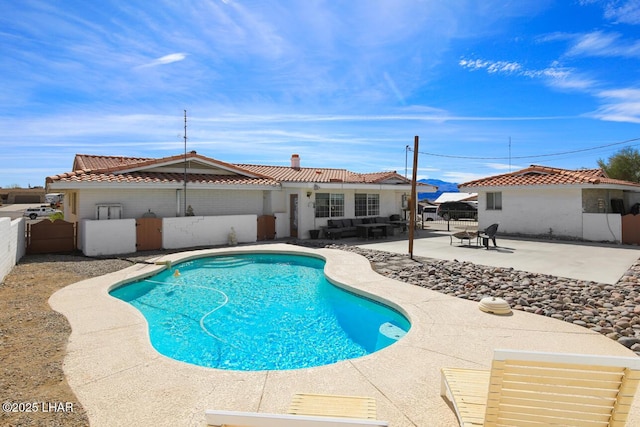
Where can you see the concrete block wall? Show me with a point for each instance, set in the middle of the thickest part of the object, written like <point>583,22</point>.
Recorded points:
<point>12,244</point>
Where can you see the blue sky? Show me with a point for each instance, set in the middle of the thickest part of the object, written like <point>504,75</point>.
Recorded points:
<point>342,83</point>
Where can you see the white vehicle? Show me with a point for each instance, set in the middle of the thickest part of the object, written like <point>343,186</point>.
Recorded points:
<point>34,213</point>
<point>429,213</point>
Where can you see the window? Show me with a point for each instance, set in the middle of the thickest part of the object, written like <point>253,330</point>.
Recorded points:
<point>494,201</point>
<point>109,211</point>
<point>367,204</point>
<point>329,205</point>
<point>74,203</point>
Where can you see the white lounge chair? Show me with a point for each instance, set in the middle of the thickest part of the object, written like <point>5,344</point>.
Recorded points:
<point>538,389</point>
<point>306,410</point>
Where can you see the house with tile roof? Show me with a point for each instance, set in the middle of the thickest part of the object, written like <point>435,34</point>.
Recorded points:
<point>583,204</point>
<point>301,198</point>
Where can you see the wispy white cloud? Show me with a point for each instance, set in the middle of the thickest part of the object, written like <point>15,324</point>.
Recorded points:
<point>564,78</point>
<point>461,176</point>
<point>555,76</point>
<point>624,12</point>
<point>599,43</point>
<point>619,105</point>
<point>505,167</point>
<point>164,60</point>
<point>491,67</point>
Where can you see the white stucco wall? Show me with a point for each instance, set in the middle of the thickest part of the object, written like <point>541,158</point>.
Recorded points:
<point>535,211</point>
<point>192,231</point>
<point>282,224</point>
<point>12,244</point>
<point>602,227</point>
<point>166,202</point>
<point>100,238</point>
<point>390,203</point>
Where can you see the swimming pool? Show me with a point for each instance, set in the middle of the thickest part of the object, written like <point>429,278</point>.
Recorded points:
<point>259,311</point>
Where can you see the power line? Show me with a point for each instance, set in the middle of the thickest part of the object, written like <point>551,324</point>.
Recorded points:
<point>527,157</point>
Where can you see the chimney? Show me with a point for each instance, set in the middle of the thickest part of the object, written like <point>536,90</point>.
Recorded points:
<point>295,162</point>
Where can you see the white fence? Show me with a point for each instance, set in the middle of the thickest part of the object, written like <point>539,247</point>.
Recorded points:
<point>184,232</point>
<point>107,237</point>
<point>112,237</point>
<point>12,244</point>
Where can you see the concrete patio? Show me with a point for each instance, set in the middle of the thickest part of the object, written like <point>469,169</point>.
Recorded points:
<point>603,263</point>
<point>121,380</point>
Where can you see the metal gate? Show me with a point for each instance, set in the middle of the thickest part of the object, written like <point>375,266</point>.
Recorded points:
<point>47,237</point>
<point>631,229</point>
<point>148,234</point>
<point>266,227</point>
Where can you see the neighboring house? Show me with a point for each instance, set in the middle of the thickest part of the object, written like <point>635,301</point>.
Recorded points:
<point>21,195</point>
<point>539,201</point>
<point>301,198</point>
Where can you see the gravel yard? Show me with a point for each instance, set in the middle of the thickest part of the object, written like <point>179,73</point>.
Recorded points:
<point>33,337</point>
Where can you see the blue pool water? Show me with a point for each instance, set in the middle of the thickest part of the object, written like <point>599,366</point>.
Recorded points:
<point>259,312</point>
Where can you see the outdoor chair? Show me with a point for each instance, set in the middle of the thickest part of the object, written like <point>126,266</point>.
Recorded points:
<point>306,410</point>
<point>489,233</point>
<point>534,388</point>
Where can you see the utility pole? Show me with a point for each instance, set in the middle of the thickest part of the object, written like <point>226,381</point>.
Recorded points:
<point>412,200</point>
<point>184,211</point>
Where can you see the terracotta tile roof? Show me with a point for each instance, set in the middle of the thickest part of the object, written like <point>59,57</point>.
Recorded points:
<point>544,175</point>
<point>159,178</point>
<point>93,162</point>
<point>94,168</point>
<point>288,174</point>
<point>320,175</point>
<point>118,163</point>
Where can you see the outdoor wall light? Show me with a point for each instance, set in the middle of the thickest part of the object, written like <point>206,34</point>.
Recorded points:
<point>308,194</point>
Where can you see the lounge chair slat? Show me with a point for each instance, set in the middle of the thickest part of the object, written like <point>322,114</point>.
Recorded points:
<point>565,398</point>
<point>557,412</point>
<point>567,372</point>
<point>533,389</point>
<point>536,404</point>
<point>333,405</point>
<point>544,388</point>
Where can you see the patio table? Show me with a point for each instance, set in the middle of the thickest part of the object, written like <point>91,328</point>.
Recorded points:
<point>362,230</point>
<point>464,235</point>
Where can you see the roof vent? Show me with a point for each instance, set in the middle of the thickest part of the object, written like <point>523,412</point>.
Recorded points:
<point>534,173</point>
<point>295,162</point>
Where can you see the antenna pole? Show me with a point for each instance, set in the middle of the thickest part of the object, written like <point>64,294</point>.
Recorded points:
<point>184,212</point>
<point>509,154</point>
<point>406,154</point>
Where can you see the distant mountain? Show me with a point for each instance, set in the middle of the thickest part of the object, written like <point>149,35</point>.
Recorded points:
<point>443,187</point>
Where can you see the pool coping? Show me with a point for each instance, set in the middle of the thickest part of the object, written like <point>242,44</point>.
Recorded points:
<point>121,380</point>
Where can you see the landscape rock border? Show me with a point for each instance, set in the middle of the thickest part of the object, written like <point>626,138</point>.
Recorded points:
<point>612,310</point>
